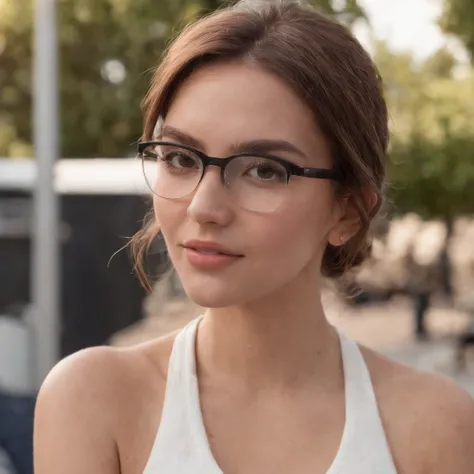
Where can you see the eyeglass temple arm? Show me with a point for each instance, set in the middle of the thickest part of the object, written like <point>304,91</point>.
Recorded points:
<point>319,173</point>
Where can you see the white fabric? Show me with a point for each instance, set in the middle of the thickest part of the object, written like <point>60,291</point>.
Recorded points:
<point>181,445</point>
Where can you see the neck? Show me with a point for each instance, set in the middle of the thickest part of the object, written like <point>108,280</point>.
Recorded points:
<point>283,340</point>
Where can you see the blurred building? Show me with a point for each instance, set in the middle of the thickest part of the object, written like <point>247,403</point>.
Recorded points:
<point>103,203</point>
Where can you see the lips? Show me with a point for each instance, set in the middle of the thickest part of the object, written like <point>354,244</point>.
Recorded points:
<point>210,256</point>
<point>207,252</point>
<point>210,248</point>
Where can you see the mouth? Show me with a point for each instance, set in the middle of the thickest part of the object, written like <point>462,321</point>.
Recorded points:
<point>207,252</point>
<point>209,248</point>
<point>209,255</point>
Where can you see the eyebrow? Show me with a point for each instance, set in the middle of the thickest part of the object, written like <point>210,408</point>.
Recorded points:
<point>259,146</point>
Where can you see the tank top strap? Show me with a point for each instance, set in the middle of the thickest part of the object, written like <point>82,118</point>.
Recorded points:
<point>358,383</point>
<point>364,436</point>
<point>183,359</point>
<point>181,393</point>
<point>181,442</point>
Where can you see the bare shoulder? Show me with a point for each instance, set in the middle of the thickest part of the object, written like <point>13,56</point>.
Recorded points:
<point>98,371</point>
<point>428,418</point>
<point>89,398</point>
<point>81,382</point>
<point>88,371</point>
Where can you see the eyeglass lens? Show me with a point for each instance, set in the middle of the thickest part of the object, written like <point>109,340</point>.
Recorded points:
<point>253,182</point>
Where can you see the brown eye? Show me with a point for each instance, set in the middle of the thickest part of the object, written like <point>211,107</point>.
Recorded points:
<point>180,160</point>
<point>267,172</point>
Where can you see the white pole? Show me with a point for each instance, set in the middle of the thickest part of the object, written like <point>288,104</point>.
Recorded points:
<point>45,243</point>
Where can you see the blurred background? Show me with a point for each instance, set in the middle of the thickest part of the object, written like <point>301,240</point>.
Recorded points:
<point>72,76</point>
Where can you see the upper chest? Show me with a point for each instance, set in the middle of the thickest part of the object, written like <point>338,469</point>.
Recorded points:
<point>302,433</point>
<point>274,433</point>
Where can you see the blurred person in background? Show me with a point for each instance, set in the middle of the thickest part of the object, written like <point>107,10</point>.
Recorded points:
<point>5,463</point>
<point>264,144</point>
<point>16,428</point>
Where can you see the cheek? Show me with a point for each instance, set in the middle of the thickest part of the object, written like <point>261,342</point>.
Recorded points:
<point>296,234</point>
<point>309,216</point>
<point>169,215</point>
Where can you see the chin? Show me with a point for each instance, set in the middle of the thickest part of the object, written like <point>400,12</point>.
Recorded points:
<point>212,296</point>
<point>212,291</point>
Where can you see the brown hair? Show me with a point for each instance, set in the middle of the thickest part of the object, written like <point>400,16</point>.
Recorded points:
<point>325,65</point>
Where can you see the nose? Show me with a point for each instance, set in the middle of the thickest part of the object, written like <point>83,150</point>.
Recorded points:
<point>210,203</point>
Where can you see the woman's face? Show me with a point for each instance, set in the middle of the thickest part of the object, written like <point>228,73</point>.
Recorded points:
<point>220,107</point>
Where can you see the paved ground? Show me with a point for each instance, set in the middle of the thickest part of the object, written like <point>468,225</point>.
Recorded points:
<point>386,328</point>
<point>435,356</point>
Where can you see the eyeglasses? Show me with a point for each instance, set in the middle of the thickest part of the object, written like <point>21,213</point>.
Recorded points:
<point>257,182</point>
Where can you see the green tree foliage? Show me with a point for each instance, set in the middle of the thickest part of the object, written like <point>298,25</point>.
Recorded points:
<point>441,64</point>
<point>432,111</point>
<point>108,50</point>
<point>434,178</point>
<point>15,78</point>
<point>458,19</point>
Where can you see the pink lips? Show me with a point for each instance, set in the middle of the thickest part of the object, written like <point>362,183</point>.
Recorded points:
<point>207,255</point>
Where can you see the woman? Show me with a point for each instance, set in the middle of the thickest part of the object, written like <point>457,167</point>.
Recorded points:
<point>268,130</point>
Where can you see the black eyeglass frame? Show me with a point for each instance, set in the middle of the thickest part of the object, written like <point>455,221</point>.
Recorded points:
<point>222,163</point>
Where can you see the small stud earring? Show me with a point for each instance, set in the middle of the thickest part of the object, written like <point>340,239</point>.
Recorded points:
<point>343,239</point>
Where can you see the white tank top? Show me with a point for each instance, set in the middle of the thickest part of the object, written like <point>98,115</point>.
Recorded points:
<point>181,445</point>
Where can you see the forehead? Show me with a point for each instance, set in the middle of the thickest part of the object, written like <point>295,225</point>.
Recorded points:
<point>228,103</point>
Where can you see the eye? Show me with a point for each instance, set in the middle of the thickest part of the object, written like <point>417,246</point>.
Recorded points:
<point>263,172</point>
<point>267,171</point>
<point>180,159</point>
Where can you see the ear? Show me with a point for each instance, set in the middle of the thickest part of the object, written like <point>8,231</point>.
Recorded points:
<point>349,222</point>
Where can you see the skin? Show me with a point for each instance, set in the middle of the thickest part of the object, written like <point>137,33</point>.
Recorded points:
<point>264,346</point>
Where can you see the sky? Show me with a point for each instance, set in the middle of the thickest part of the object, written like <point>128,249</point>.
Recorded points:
<point>407,25</point>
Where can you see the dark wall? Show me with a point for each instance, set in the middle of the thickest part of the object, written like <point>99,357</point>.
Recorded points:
<point>15,210</point>
<point>97,298</point>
